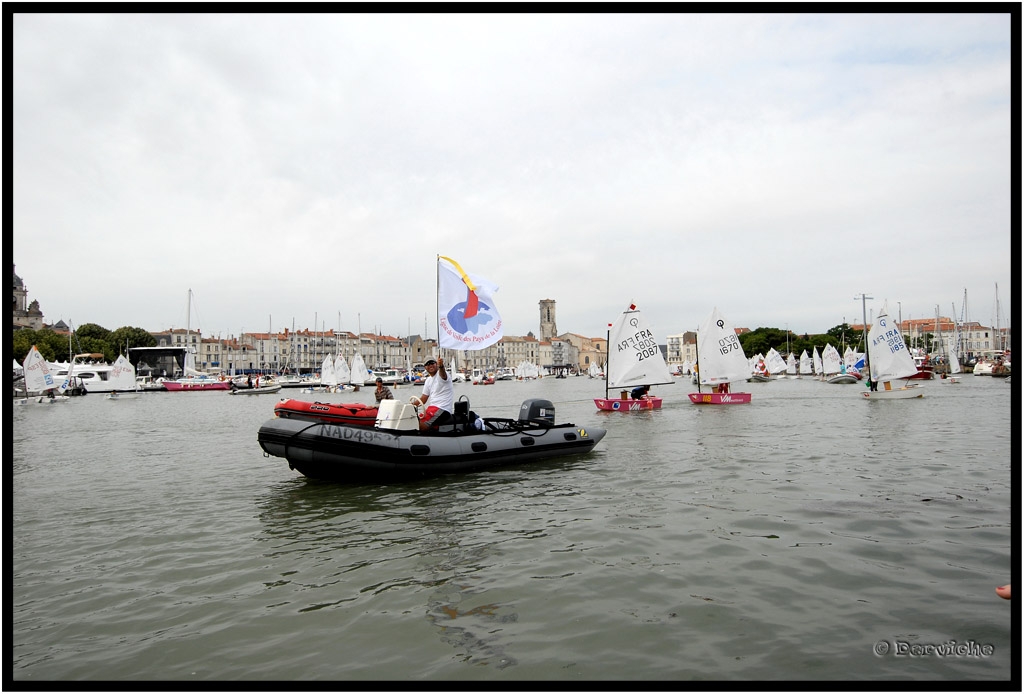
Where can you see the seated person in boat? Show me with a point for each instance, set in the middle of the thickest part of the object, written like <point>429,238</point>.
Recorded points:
<point>382,392</point>
<point>439,393</point>
<point>722,388</point>
<point>640,392</point>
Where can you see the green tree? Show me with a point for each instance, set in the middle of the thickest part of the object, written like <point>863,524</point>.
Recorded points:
<point>53,346</point>
<point>92,330</point>
<point>88,339</point>
<point>760,340</point>
<point>754,344</point>
<point>127,337</point>
<point>844,334</point>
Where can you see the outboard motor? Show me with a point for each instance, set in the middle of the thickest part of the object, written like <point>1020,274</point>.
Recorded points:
<point>537,409</point>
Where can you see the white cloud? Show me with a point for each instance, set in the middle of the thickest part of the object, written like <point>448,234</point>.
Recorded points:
<point>292,166</point>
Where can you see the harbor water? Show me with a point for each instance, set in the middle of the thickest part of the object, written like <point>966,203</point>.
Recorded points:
<point>809,535</point>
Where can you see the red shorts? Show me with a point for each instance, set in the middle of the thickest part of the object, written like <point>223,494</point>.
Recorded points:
<point>432,416</point>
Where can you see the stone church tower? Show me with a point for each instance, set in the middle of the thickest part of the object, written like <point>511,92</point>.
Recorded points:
<point>548,329</point>
<point>26,315</point>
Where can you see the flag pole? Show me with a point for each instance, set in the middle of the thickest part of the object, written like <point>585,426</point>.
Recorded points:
<point>437,298</point>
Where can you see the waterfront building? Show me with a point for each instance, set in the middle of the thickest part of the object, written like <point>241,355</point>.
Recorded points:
<point>681,348</point>
<point>975,339</point>
<point>937,335</point>
<point>585,351</point>
<point>518,349</point>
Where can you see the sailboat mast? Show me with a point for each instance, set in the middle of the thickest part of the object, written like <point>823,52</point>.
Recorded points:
<point>999,335</point>
<point>607,357</point>
<point>696,353</point>
<point>956,329</point>
<point>864,311</point>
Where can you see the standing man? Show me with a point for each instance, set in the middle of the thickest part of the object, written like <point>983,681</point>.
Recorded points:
<point>382,392</point>
<point>439,393</point>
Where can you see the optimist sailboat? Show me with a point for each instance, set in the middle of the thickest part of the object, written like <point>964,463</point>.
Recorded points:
<point>889,360</point>
<point>954,357</point>
<point>954,361</point>
<point>39,380</point>
<point>633,359</point>
<point>776,363</point>
<point>720,361</point>
<point>328,377</point>
<point>357,372</point>
<point>122,380</point>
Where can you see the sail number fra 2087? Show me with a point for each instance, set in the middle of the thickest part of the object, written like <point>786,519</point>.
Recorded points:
<point>643,342</point>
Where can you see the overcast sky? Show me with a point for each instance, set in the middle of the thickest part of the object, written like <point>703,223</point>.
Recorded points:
<point>301,169</point>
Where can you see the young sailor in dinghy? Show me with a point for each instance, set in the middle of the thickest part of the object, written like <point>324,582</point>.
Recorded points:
<point>640,392</point>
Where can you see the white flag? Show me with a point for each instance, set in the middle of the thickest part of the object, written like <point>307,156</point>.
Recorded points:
<point>466,314</point>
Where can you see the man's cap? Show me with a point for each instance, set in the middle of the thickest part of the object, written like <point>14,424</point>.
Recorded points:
<point>429,362</point>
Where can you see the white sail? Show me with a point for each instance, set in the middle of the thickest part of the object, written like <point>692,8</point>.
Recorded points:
<point>774,362</point>
<point>720,357</point>
<point>634,358</point>
<point>190,365</point>
<point>816,361</point>
<point>805,363</point>
<point>327,375</point>
<point>831,362</point>
<point>887,352</point>
<point>122,375</point>
<point>954,349</point>
<point>853,360</point>
<point>954,359</point>
<point>69,378</point>
<point>341,371</point>
<point>791,364</point>
<point>358,375</point>
<point>527,369</point>
<point>594,370</point>
<point>37,373</point>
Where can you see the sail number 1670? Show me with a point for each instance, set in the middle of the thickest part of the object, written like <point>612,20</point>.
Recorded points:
<point>728,344</point>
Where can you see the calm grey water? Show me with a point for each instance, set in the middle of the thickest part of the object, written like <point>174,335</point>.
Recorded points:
<point>783,540</point>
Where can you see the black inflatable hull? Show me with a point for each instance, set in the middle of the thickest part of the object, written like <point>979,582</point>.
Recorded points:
<point>350,453</point>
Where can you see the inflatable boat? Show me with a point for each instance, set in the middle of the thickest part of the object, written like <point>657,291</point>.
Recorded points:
<point>394,448</point>
<point>352,413</point>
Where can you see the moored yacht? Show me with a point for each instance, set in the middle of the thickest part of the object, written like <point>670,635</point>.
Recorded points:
<point>92,374</point>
